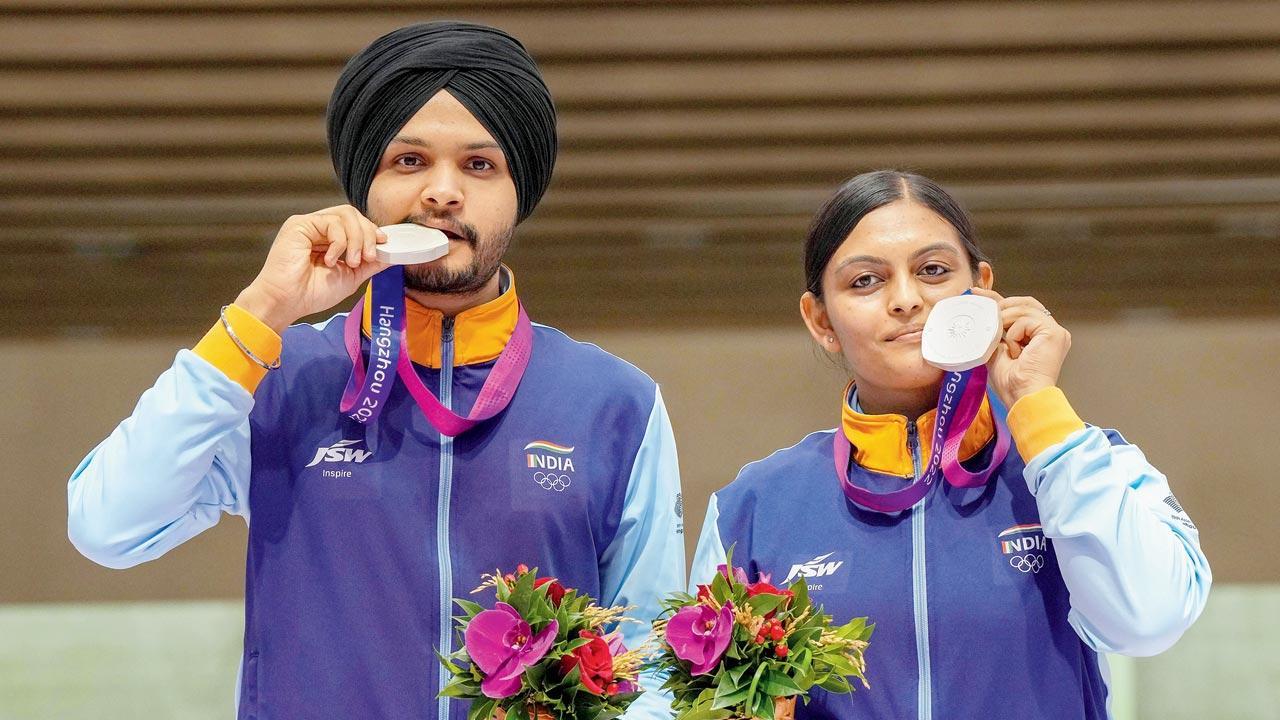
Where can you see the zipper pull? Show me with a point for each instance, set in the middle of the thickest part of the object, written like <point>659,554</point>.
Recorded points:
<point>913,447</point>
<point>446,329</point>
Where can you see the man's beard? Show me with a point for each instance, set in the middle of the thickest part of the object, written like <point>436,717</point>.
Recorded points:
<point>486,258</point>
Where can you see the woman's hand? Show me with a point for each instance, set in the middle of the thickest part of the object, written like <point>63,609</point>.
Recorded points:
<point>1030,356</point>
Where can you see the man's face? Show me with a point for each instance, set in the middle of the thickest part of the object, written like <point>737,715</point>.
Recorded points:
<point>444,170</point>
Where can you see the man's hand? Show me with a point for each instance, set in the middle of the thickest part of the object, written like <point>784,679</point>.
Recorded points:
<point>315,261</point>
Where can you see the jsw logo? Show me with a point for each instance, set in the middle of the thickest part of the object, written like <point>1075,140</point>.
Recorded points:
<point>340,452</point>
<point>815,568</point>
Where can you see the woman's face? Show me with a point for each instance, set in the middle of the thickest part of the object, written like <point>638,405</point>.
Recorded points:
<point>878,289</point>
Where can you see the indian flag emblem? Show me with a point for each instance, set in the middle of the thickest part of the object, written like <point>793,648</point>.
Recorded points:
<point>546,455</point>
<point>1021,538</point>
<point>548,446</point>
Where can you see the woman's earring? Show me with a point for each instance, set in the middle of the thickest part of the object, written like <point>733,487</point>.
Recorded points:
<point>830,339</point>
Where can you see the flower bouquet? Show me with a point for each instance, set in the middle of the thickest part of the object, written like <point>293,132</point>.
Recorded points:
<point>540,653</point>
<point>748,650</point>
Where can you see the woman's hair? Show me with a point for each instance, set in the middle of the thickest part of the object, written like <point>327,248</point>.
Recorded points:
<point>865,193</point>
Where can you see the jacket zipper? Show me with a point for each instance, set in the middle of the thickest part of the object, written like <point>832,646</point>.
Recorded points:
<point>920,592</point>
<point>442,511</point>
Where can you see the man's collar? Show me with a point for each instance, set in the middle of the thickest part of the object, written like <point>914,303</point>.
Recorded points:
<point>479,333</point>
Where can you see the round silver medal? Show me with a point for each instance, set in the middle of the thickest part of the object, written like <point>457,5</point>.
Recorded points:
<point>961,332</point>
<point>410,244</point>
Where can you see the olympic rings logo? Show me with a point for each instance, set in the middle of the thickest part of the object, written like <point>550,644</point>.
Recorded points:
<point>552,481</point>
<point>1027,563</point>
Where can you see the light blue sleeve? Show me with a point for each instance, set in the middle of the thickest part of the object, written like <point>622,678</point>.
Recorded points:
<point>710,553</point>
<point>646,561</point>
<point>1130,556</point>
<point>167,472</point>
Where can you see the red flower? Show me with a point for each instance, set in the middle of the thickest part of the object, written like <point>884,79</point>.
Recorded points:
<point>555,592</point>
<point>593,661</point>
<point>781,650</point>
<point>704,594</point>
<point>764,587</point>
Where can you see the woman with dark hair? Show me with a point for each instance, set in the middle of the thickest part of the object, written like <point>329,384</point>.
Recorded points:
<point>997,580</point>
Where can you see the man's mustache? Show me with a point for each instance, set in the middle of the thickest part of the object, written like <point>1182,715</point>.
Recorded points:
<point>447,222</point>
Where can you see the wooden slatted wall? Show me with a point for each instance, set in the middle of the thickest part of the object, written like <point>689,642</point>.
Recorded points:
<point>1118,156</point>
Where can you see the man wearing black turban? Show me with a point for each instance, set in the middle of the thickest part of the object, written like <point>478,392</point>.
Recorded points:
<point>496,442</point>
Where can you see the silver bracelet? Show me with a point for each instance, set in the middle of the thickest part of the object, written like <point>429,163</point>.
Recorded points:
<point>248,353</point>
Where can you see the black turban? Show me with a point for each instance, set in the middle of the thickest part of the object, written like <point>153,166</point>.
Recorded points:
<point>487,70</point>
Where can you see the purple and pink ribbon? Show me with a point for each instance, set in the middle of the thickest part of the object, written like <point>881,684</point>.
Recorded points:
<point>366,393</point>
<point>959,400</point>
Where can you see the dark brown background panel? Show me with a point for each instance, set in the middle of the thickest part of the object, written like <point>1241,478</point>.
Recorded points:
<point>149,141</point>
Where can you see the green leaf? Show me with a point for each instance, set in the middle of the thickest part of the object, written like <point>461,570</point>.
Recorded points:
<point>705,698</point>
<point>522,595</point>
<point>803,636</point>
<point>720,588</point>
<point>842,665</point>
<point>461,688</point>
<point>802,662</point>
<point>777,684</point>
<point>540,611</point>
<point>576,643</point>
<point>516,711</point>
<point>765,604</point>
<point>728,696</point>
<point>470,608</point>
<point>482,709</point>
<point>763,708</point>
<point>705,713</point>
<point>571,680</point>
<point>853,629</point>
<point>755,679</point>
<point>800,589</point>
<point>836,684</point>
<point>449,664</point>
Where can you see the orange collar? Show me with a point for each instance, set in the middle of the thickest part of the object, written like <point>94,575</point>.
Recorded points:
<point>880,441</point>
<point>479,334</point>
